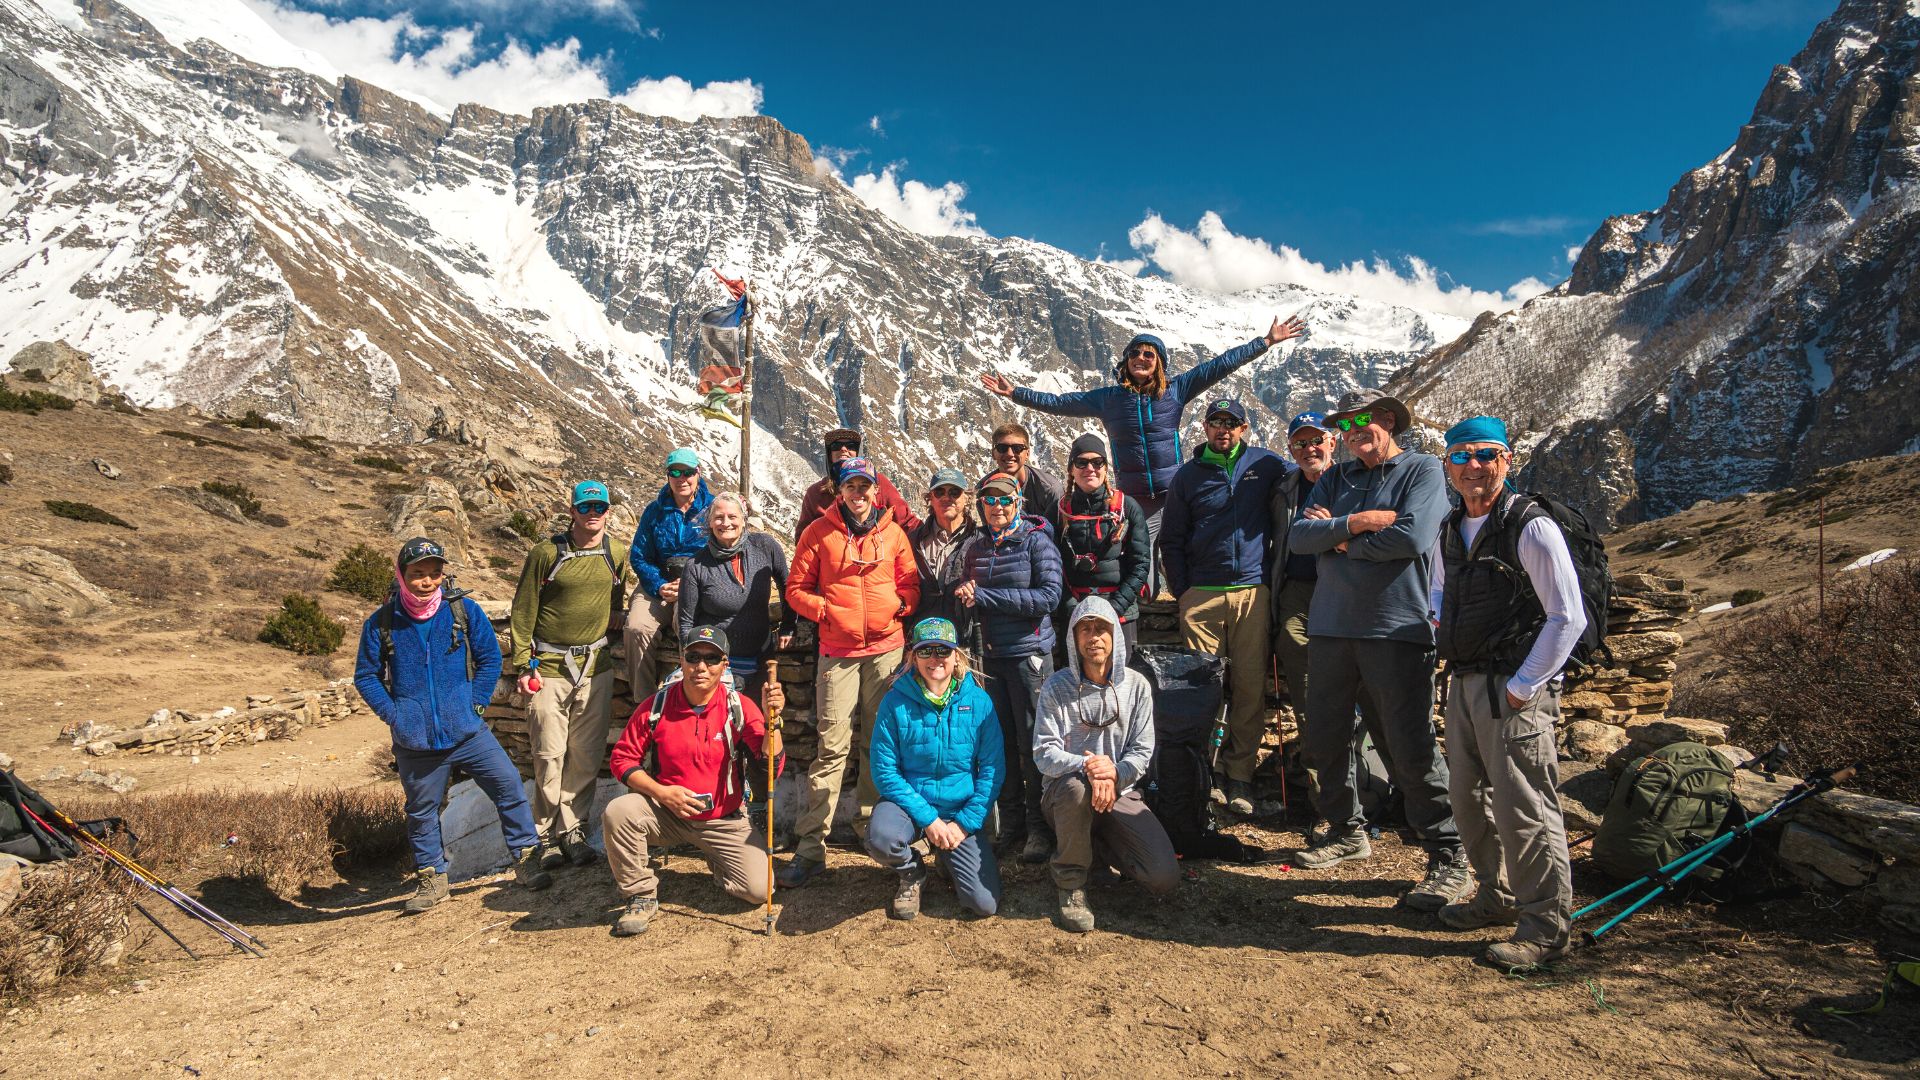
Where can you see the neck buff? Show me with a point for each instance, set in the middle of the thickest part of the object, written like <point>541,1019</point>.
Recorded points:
<point>722,551</point>
<point>417,609</point>
<point>858,526</point>
<point>953,687</point>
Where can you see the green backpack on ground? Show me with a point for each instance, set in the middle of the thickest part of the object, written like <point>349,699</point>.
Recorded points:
<point>1664,805</point>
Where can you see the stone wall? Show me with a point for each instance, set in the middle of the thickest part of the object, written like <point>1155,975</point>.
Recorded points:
<point>266,716</point>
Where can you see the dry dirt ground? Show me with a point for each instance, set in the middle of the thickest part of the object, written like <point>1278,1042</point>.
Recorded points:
<point>1251,971</point>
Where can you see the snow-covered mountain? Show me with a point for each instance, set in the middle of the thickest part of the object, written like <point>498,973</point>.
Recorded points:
<point>1760,326</point>
<point>237,236</point>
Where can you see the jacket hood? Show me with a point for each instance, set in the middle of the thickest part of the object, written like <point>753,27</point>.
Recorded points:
<point>1095,606</point>
<point>1120,365</point>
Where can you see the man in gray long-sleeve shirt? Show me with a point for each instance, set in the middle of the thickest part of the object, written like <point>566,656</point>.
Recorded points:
<point>1373,523</point>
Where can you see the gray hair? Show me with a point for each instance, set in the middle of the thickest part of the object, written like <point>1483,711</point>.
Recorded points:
<point>728,496</point>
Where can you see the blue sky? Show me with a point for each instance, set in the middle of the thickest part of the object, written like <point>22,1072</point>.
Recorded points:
<point>1483,140</point>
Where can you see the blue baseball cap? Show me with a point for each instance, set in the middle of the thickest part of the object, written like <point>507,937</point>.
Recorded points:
<point>589,491</point>
<point>1308,419</point>
<point>1479,429</point>
<point>1227,407</point>
<point>934,632</point>
<point>685,458</point>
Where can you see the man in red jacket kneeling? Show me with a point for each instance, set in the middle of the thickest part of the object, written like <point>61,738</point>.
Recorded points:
<point>683,758</point>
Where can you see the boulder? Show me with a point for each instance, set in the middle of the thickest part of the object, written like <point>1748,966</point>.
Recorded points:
<point>222,508</point>
<point>1591,741</point>
<point>1736,756</point>
<point>13,877</point>
<point>434,511</point>
<point>1632,648</point>
<point>58,368</point>
<point>1884,826</point>
<point>1584,791</point>
<point>35,581</point>
<point>1835,860</point>
<point>1673,729</point>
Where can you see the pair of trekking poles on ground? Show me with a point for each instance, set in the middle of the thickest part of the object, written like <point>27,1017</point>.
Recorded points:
<point>79,836</point>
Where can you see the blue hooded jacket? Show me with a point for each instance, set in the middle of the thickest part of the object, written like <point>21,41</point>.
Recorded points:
<point>938,762</point>
<point>1218,528</point>
<point>666,533</point>
<point>433,706</point>
<point>1017,585</point>
<point>1144,432</point>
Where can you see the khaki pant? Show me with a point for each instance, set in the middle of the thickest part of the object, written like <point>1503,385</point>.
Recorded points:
<point>633,821</point>
<point>1506,803</point>
<point>568,723</point>
<point>645,616</point>
<point>1290,606</point>
<point>847,695</point>
<point>1234,624</point>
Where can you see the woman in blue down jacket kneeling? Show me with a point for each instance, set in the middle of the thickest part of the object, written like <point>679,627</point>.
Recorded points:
<point>937,764</point>
<point>428,675</point>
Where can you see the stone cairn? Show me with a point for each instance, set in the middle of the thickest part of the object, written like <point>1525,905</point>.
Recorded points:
<point>1611,707</point>
<point>266,716</point>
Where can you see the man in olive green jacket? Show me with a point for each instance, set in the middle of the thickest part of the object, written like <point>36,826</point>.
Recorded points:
<point>572,592</point>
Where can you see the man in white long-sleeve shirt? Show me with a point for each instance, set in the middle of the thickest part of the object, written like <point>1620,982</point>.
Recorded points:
<point>1507,608</point>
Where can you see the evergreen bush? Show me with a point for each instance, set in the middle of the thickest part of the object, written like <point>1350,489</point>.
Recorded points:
<point>301,627</point>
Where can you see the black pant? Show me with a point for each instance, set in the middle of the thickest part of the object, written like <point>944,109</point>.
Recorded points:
<point>1014,685</point>
<point>1398,677</point>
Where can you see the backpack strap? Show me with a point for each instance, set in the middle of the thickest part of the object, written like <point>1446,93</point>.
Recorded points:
<point>383,622</point>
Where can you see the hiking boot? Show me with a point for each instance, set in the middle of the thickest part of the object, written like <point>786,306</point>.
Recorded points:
<point>1448,879</point>
<point>906,898</point>
<point>551,857</point>
<point>1038,848</point>
<point>1523,955</point>
<point>528,871</point>
<point>634,920</point>
<point>1240,797</point>
<point>798,871</point>
<point>432,889</point>
<point>1007,841</point>
<point>1481,911</point>
<point>573,845</point>
<point>1071,912</point>
<point>1345,847</point>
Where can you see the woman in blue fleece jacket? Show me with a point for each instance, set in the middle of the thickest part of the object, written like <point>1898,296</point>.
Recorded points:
<point>428,677</point>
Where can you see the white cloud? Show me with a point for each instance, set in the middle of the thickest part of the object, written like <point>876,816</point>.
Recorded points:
<point>873,125</point>
<point>1522,226</point>
<point>930,211</point>
<point>1573,253</point>
<point>445,68</point>
<point>1767,14</point>
<point>1213,258</point>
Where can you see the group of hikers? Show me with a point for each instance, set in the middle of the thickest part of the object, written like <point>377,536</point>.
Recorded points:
<point>981,653</point>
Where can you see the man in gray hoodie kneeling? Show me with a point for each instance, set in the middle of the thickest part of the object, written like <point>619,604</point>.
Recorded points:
<point>1093,741</point>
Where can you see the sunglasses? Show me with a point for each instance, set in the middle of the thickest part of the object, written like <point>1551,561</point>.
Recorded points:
<point>843,444</point>
<point>1009,448</point>
<point>1354,422</point>
<point>1223,423</point>
<point>1143,350</point>
<point>1304,444</point>
<point>681,472</point>
<point>996,500</point>
<point>933,652</point>
<point>705,658</point>
<point>1486,455</point>
<point>1090,463</point>
<point>592,508</point>
<point>948,492</point>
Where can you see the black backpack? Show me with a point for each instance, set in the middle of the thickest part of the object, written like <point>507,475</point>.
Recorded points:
<point>383,623</point>
<point>1189,702</point>
<point>1589,556</point>
<point>28,829</point>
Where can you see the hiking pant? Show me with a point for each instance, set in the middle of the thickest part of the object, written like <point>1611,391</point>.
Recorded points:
<point>848,693</point>
<point>1153,506</point>
<point>633,821</point>
<point>1506,800</point>
<point>1290,606</point>
<point>645,616</point>
<point>1013,684</point>
<point>1234,624</point>
<point>971,865</point>
<point>423,777</point>
<point>1128,837</point>
<point>568,725</point>
<point>1397,677</point>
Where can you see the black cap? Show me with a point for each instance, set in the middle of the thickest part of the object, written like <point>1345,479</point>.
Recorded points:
<point>1086,444</point>
<point>706,635</point>
<point>420,548</point>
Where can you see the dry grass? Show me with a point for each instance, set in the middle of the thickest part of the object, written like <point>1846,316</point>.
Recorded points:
<point>68,920</point>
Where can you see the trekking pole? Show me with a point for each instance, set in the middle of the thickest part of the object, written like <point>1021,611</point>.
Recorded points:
<point>1670,874</point>
<point>773,678</point>
<point>158,925</point>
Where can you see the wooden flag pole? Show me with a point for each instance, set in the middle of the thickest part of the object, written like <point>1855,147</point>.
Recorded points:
<point>746,415</point>
<point>773,679</point>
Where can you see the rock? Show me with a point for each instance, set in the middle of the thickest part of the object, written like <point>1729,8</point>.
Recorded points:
<point>60,368</point>
<point>255,701</point>
<point>1832,858</point>
<point>58,772</point>
<point>35,581</point>
<point>1881,825</point>
<point>1592,741</point>
<point>1736,756</point>
<point>117,782</point>
<point>1645,583</point>
<point>1632,648</point>
<point>1586,699</point>
<point>160,717</point>
<point>224,509</point>
<point>13,877</point>
<point>6,762</point>
<point>1673,729</point>
<point>101,748</point>
<point>105,469</point>
<point>1584,792</point>
<point>85,732</point>
<point>435,511</point>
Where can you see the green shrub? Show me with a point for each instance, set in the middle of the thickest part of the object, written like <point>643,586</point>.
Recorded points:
<point>202,440</point>
<point>375,461</point>
<point>523,524</point>
<point>353,506</point>
<point>308,553</point>
<point>32,401</point>
<point>237,494</point>
<point>392,487</point>
<point>362,572</point>
<point>1743,597</point>
<point>254,421</point>
<point>301,627</point>
<point>79,511</point>
<point>277,521</point>
<point>499,562</point>
<point>314,443</point>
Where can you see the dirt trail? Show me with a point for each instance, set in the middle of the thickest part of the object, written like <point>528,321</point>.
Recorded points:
<point>1248,971</point>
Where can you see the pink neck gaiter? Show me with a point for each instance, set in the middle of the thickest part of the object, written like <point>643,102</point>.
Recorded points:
<point>417,609</point>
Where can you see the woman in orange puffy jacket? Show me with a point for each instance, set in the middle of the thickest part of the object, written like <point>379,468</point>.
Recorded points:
<point>854,574</point>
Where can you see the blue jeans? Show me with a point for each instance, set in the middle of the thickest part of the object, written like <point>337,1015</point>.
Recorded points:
<point>975,872</point>
<point>423,776</point>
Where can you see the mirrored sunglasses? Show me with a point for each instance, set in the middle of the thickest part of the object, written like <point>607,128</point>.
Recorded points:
<point>934,652</point>
<point>996,500</point>
<point>1303,444</point>
<point>593,508</point>
<point>1486,455</point>
<point>681,472</point>
<point>1354,422</point>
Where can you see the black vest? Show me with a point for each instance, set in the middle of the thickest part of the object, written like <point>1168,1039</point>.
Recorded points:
<point>1489,613</point>
<point>1090,548</point>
